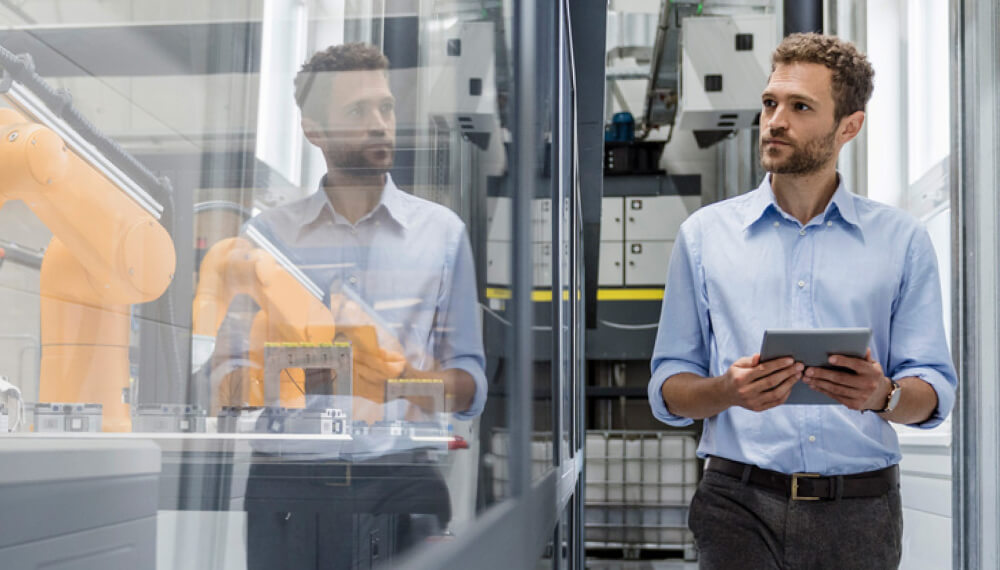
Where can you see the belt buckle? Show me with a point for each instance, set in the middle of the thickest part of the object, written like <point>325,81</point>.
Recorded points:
<point>795,486</point>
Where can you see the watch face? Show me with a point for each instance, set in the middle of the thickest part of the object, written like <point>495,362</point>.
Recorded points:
<point>897,391</point>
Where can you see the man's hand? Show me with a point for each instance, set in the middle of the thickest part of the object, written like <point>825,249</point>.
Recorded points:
<point>759,386</point>
<point>375,367</point>
<point>864,388</point>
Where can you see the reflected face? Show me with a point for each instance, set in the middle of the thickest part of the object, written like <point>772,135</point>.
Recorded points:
<point>359,134</point>
<point>798,134</point>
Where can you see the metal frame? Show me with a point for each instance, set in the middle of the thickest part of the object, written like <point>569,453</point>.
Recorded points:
<point>531,517</point>
<point>976,232</point>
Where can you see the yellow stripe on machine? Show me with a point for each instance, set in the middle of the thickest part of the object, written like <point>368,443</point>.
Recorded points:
<point>617,294</point>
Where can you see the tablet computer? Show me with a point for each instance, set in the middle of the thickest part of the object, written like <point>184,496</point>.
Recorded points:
<point>813,347</point>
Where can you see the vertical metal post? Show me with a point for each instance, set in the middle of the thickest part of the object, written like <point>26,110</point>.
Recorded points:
<point>558,156</point>
<point>589,25</point>
<point>525,173</point>
<point>803,16</point>
<point>976,232</point>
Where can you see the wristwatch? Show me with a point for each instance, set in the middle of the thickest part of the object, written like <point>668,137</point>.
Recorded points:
<point>893,399</point>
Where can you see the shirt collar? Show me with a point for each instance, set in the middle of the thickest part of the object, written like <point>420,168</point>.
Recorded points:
<point>762,199</point>
<point>391,201</point>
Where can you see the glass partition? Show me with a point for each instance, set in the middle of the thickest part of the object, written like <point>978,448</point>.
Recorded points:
<point>277,239</point>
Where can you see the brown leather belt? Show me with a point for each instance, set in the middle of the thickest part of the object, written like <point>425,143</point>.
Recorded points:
<point>810,486</point>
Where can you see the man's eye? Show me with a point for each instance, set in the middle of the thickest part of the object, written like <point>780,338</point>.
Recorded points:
<point>769,103</point>
<point>387,107</point>
<point>802,107</point>
<point>354,112</point>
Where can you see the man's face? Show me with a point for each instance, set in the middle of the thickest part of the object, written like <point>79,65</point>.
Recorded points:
<point>359,133</point>
<point>797,132</point>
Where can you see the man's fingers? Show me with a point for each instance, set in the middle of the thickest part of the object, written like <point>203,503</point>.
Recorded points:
<point>779,394</point>
<point>832,388</point>
<point>770,367</point>
<point>785,387</point>
<point>774,380</point>
<point>858,365</point>
<point>747,361</point>
<point>834,376</point>
<point>763,389</point>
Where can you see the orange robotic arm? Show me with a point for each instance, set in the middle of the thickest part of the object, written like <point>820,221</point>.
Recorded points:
<point>288,313</point>
<point>106,254</point>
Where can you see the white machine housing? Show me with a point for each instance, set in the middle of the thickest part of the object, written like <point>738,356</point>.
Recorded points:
<point>721,80</point>
<point>462,91</point>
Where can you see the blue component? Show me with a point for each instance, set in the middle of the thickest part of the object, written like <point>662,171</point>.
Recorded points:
<point>621,129</point>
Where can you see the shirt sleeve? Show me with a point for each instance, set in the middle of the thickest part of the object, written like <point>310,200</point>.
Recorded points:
<point>683,331</point>
<point>458,331</point>
<point>917,343</point>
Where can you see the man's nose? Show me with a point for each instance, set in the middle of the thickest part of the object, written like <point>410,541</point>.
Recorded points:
<point>376,122</point>
<point>778,120</point>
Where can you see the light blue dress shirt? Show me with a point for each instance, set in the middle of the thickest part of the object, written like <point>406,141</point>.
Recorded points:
<point>741,266</point>
<point>408,260</point>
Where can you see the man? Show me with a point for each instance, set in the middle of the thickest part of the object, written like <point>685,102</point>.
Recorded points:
<point>368,243</point>
<point>394,265</point>
<point>801,252</point>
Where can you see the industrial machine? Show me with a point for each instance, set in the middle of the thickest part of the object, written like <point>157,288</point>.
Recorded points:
<point>107,253</point>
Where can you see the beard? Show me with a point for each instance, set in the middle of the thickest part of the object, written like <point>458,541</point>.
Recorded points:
<point>362,161</point>
<point>807,159</point>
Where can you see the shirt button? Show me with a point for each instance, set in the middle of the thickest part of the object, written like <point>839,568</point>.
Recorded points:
<point>802,283</point>
<point>354,231</point>
<point>812,438</point>
<point>828,224</point>
<point>353,279</point>
<point>802,232</point>
<point>776,224</point>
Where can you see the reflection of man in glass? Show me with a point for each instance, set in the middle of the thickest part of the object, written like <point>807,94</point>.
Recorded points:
<point>391,261</point>
<point>396,267</point>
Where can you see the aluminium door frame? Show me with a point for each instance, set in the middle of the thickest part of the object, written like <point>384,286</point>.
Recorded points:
<point>975,164</point>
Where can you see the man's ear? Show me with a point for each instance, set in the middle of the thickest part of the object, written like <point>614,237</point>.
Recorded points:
<point>850,126</point>
<point>312,130</point>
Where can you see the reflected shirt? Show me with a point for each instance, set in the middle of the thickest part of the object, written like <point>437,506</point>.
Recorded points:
<point>743,265</point>
<point>409,260</point>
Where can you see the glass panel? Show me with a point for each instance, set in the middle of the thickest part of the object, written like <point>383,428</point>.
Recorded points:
<point>290,270</point>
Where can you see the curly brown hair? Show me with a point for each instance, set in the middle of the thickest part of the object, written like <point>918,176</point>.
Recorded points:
<point>852,73</point>
<point>344,57</point>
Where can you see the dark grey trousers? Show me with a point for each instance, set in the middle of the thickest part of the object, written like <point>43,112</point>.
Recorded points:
<point>741,526</point>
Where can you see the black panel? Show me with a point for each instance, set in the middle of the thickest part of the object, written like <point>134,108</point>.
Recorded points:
<point>400,42</point>
<point>713,83</point>
<point>708,138</point>
<point>744,42</point>
<point>653,185</point>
